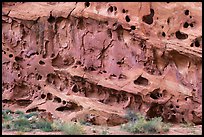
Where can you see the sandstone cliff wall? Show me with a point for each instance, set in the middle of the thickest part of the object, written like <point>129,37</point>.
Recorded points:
<point>93,60</point>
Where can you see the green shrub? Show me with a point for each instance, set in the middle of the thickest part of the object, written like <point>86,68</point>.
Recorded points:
<point>19,112</point>
<point>44,125</point>
<point>187,125</point>
<point>141,125</point>
<point>21,124</point>
<point>6,125</point>
<point>72,129</point>
<point>131,115</point>
<point>6,111</point>
<point>166,127</point>
<point>56,125</point>
<point>3,113</point>
<point>154,125</point>
<point>105,132</point>
<point>7,117</point>
<point>135,127</point>
<point>83,122</point>
<point>31,114</point>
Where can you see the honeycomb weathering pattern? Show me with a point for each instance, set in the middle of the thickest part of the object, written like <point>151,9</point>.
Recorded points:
<point>94,60</point>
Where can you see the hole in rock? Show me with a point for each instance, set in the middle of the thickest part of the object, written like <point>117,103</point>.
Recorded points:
<point>155,94</point>
<point>41,110</point>
<point>191,45</point>
<point>49,96</point>
<point>23,102</point>
<point>16,66</point>
<point>43,96</point>
<point>78,63</point>
<point>155,110</point>
<point>51,78</point>
<point>115,8</point>
<point>87,4</point>
<point>39,77</point>
<point>186,98</point>
<point>10,55</point>
<point>180,35</point>
<point>185,25</point>
<point>191,25</point>
<point>44,55</point>
<point>197,44</point>
<point>110,9</point>
<point>177,106</point>
<point>171,106</point>
<point>148,18</point>
<point>173,119</point>
<point>104,71</point>
<point>91,68</point>
<point>168,20</point>
<point>41,62</point>
<point>113,75</point>
<point>127,18</point>
<point>63,108</point>
<point>79,79</point>
<point>119,31</point>
<point>32,110</point>
<point>109,33</point>
<point>6,101</point>
<point>52,55</point>
<point>160,94</point>
<point>80,24</point>
<point>75,89</point>
<point>132,27</point>
<point>152,12</point>
<point>57,99</point>
<point>51,19</point>
<point>163,34</point>
<point>190,16</point>
<point>18,58</point>
<point>39,88</point>
<point>121,76</point>
<point>73,106</point>
<point>19,75</point>
<point>63,102</point>
<point>186,12</point>
<point>123,11</point>
<point>141,81</point>
<point>120,62</point>
<point>183,120</point>
<point>115,24</point>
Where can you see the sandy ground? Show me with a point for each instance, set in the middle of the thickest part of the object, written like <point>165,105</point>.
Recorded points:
<point>98,130</point>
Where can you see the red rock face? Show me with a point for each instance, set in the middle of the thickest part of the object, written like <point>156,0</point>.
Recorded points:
<point>93,60</point>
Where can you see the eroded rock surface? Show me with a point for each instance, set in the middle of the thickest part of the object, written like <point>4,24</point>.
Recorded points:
<point>93,60</point>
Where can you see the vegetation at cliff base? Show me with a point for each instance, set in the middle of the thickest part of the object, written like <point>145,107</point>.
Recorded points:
<point>139,124</point>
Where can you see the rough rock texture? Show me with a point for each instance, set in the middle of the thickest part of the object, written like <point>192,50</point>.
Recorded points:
<point>93,60</point>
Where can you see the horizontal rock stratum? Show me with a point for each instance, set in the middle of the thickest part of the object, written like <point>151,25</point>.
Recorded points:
<point>93,60</point>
